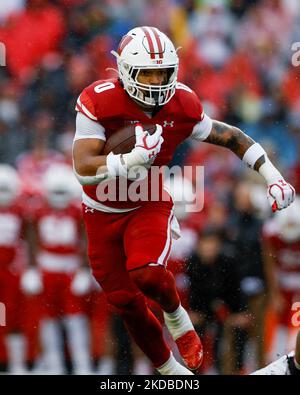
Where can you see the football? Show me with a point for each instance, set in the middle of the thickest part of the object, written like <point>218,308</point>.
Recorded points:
<point>123,140</point>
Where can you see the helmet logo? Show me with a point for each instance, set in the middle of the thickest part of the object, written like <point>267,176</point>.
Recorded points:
<point>125,41</point>
<point>154,43</point>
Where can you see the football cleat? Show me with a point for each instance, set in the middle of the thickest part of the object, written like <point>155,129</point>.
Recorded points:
<point>191,349</point>
<point>283,366</point>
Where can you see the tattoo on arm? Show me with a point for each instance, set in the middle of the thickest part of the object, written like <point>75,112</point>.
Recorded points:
<point>232,138</point>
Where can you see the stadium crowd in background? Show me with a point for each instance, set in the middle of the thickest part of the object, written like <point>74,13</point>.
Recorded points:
<point>236,55</point>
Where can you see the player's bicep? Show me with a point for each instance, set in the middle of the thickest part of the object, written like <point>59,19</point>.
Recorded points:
<point>86,152</point>
<point>88,144</point>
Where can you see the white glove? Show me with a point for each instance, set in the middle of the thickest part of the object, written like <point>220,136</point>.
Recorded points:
<point>280,194</point>
<point>82,282</point>
<point>146,147</point>
<point>31,282</point>
<point>143,154</point>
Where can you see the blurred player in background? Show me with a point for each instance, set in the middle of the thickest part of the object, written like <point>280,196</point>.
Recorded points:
<point>129,242</point>
<point>282,261</point>
<point>13,227</point>
<point>59,274</point>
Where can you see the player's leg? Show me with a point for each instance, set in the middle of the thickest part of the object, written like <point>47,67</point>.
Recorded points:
<point>52,358</point>
<point>107,259</point>
<point>147,245</point>
<point>141,323</point>
<point>14,339</point>
<point>77,327</point>
<point>102,342</point>
<point>30,316</point>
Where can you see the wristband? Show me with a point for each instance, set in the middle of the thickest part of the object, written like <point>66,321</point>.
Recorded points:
<point>267,169</point>
<point>252,154</point>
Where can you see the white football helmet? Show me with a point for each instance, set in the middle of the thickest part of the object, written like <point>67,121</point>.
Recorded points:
<point>288,222</point>
<point>147,48</point>
<point>10,185</point>
<point>60,186</point>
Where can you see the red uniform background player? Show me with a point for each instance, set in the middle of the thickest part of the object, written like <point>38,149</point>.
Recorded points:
<point>59,274</point>
<point>13,350</point>
<point>129,242</point>
<point>282,256</point>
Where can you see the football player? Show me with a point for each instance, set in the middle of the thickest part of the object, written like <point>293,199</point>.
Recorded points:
<point>13,224</point>
<point>282,253</point>
<point>60,276</point>
<point>129,241</point>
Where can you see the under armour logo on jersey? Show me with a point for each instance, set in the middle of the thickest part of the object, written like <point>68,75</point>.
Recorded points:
<point>166,123</point>
<point>133,122</point>
<point>89,210</point>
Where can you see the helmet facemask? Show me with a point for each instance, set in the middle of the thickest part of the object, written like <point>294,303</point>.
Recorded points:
<point>59,198</point>
<point>7,195</point>
<point>150,95</point>
<point>10,185</point>
<point>60,186</point>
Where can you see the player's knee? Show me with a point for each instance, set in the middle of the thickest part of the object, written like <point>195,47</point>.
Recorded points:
<point>129,306</point>
<point>154,281</point>
<point>120,298</point>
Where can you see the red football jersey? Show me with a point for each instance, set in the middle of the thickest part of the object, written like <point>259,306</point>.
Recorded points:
<point>107,102</point>
<point>287,257</point>
<point>58,231</point>
<point>12,223</point>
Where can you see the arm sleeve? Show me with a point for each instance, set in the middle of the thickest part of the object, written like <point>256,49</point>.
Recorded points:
<point>202,129</point>
<point>88,129</point>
